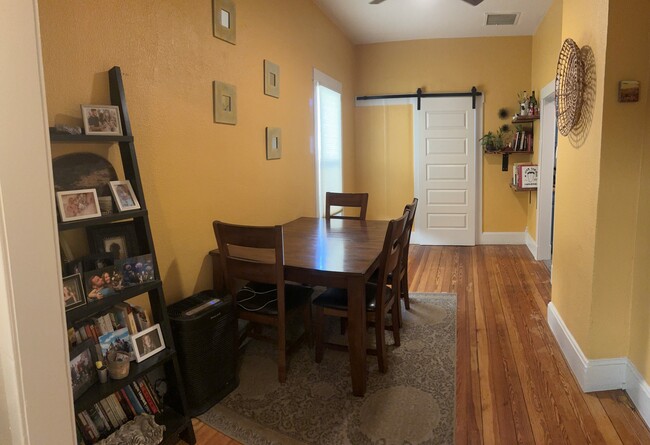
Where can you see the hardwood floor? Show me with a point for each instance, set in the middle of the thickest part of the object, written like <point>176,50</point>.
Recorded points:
<point>513,385</point>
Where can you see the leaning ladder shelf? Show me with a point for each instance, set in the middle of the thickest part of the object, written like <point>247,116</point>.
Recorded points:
<point>177,423</point>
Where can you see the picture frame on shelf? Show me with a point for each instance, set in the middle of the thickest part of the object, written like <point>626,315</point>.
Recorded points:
<point>124,195</point>
<point>118,239</point>
<point>78,204</point>
<point>82,367</point>
<point>73,292</point>
<point>137,270</point>
<point>148,342</point>
<point>116,341</point>
<point>101,120</point>
<point>103,283</point>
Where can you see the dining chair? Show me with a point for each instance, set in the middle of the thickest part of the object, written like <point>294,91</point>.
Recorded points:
<point>380,298</point>
<point>404,266</point>
<point>357,200</point>
<point>252,259</point>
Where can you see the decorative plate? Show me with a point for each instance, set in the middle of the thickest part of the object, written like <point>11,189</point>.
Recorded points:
<point>77,171</point>
<point>569,86</point>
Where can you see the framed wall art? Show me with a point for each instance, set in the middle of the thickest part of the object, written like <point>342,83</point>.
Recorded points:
<point>271,79</point>
<point>225,103</point>
<point>224,20</point>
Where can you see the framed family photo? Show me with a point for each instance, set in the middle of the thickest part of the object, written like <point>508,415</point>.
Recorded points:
<point>124,195</point>
<point>73,292</point>
<point>118,239</point>
<point>101,120</point>
<point>82,367</point>
<point>147,343</point>
<point>78,204</point>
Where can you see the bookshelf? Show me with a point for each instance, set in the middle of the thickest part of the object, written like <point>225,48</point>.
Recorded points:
<point>173,410</point>
<point>528,122</point>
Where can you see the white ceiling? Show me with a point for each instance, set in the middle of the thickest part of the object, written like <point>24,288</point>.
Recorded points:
<point>395,20</point>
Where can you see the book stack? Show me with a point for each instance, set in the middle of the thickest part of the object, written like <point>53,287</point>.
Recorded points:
<point>107,415</point>
<point>523,141</point>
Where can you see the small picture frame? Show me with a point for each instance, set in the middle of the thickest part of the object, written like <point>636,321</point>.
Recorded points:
<point>225,103</point>
<point>103,283</point>
<point>117,238</point>
<point>628,91</point>
<point>73,292</point>
<point>147,343</point>
<point>116,341</point>
<point>271,79</point>
<point>224,20</point>
<point>78,204</point>
<point>136,270</point>
<point>101,120</point>
<point>82,367</point>
<point>124,195</point>
<point>273,143</point>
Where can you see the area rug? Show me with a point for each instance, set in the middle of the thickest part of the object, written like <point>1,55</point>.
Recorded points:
<point>413,403</point>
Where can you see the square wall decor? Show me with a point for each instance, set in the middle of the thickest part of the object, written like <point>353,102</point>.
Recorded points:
<point>628,91</point>
<point>224,23</point>
<point>271,79</point>
<point>273,143</point>
<point>225,103</point>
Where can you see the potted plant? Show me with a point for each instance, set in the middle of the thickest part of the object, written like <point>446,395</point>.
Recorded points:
<point>491,141</point>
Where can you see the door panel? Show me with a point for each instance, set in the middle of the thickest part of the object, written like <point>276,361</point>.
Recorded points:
<point>446,172</point>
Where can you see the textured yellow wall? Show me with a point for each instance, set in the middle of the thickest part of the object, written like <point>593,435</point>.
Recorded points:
<point>547,42</point>
<point>618,197</point>
<point>578,167</point>
<point>383,136</point>
<point>193,170</point>
<point>497,66</point>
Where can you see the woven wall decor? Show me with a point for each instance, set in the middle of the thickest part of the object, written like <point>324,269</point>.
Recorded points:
<point>569,86</point>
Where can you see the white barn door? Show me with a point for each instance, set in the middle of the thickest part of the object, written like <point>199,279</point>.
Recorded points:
<point>445,172</point>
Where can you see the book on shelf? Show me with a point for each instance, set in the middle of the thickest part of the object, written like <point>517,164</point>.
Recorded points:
<point>147,396</point>
<point>138,393</point>
<point>134,399</point>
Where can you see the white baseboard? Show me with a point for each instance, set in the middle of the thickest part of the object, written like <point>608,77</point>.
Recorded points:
<point>500,238</point>
<point>639,391</point>
<point>601,374</point>
<point>531,243</point>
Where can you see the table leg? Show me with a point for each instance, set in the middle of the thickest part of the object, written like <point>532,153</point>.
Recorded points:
<point>357,335</point>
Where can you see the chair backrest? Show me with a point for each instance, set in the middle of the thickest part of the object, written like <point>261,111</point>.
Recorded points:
<point>359,200</point>
<point>251,253</point>
<point>391,254</point>
<point>410,208</point>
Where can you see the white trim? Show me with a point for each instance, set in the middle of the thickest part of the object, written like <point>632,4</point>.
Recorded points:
<point>329,82</point>
<point>502,238</point>
<point>385,102</point>
<point>639,391</point>
<point>531,244</point>
<point>544,209</point>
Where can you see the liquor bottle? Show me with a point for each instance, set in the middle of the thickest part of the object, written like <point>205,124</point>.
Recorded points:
<point>533,108</point>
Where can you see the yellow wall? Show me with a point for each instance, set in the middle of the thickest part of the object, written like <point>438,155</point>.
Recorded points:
<point>547,42</point>
<point>497,66</point>
<point>193,170</point>
<point>577,181</point>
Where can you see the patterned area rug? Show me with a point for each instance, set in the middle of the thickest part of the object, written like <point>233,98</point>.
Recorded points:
<point>413,403</point>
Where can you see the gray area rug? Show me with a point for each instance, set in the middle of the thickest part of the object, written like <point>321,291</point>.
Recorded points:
<point>413,403</point>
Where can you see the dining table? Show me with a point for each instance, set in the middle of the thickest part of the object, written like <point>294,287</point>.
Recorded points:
<point>342,253</point>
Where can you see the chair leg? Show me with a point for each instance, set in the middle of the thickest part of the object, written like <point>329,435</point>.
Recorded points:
<point>380,339</point>
<point>396,319</point>
<point>308,325</point>
<point>405,291</point>
<point>319,325</point>
<point>282,352</point>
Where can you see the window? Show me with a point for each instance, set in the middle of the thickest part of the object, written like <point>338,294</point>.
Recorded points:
<point>328,136</point>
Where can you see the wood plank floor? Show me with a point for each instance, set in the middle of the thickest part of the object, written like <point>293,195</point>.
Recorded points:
<point>513,385</point>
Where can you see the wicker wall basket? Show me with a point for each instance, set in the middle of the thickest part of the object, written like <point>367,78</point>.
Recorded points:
<point>569,86</point>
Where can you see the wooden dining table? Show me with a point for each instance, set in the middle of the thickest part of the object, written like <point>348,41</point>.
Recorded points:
<point>339,253</point>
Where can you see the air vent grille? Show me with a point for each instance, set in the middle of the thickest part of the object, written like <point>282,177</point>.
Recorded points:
<point>501,19</point>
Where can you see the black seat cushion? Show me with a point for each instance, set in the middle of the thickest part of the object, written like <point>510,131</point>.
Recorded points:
<point>336,298</point>
<point>262,298</point>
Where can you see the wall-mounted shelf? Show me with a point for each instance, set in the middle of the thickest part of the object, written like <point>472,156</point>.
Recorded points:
<point>506,156</point>
<point>519,189</point>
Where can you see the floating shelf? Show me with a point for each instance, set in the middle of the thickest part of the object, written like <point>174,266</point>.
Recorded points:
<point>518,189</point>
<point>525,119</point>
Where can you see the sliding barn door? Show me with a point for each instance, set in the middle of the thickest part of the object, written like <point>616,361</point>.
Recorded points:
<point>445,172</point>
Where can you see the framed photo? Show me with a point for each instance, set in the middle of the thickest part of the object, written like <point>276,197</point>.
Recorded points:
<point>136,270</point>
<point>103,283</point>
<point>78,204</point>
<point>124,195</point>
<point>148,342</point>
<point>73,292</point>
<point>82,367</point>
<point>271,79</point>
<point>102,120</point>
<point>628,91</point>
<point>97,261</point>
<point>116,341</point>
<point>118,239</point>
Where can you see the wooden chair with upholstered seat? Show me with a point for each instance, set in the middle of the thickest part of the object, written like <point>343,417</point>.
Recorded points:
<point>252,259</point>
<point>380,298</point>
<point>357,200</point>
<point>404,266</point>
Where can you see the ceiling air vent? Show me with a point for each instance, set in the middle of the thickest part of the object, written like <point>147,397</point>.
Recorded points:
<point>501,19</point>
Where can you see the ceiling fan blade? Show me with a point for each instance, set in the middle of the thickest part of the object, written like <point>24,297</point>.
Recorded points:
<point>376,2</point>
<point>473,2</point>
